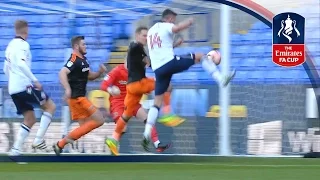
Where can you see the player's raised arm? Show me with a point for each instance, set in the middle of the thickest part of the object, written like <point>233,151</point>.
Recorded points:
<point>182,25</point>
<point>94,75</point>
<point>169,17</point>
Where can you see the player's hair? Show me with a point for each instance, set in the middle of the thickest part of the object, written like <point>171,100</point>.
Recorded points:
<point>20,25</point>
<point>141,28</point>
<point>168,12</point>
<point>76,40</point>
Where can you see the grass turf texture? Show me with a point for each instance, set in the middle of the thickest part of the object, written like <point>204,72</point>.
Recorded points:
<point>218,168</point>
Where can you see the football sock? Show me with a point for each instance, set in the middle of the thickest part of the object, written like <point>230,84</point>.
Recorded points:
<point>211,68</point>
<point>66,122</point>
<point>154,136</point>
<point>44,124</point>
<point>166,103</point>
<point>22,135</point>
<point>120,127</point>
<point>79,132</point>
<point>152,117</point>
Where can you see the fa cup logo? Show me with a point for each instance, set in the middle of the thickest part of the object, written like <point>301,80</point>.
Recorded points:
<point>288,48</point>
<point>286,30</point>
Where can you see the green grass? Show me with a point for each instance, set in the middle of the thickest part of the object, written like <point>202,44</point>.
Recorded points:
<point>218,169</point>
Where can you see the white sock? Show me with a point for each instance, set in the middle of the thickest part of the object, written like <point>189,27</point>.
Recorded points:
<point>22,135</point>
<point>156,144</point>
<point>151,121</point>
<point>44,124</point>
<point>66,122</point>
<point>211,68</point>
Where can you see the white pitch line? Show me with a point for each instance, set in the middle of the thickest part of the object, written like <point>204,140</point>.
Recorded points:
<point>235,165</point>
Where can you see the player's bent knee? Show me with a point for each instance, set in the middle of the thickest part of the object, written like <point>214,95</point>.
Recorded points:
<point>98,117</point>
<point>158,100</point>
<point>198,57</point>
<point>49,106</point>
<point>125,117</point>
<point>141,114</point>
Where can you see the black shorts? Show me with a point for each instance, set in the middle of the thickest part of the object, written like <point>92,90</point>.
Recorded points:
<point>164,73</point>
<point>29,99</point>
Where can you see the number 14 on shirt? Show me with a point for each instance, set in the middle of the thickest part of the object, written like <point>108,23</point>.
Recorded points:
<point>155,40</point>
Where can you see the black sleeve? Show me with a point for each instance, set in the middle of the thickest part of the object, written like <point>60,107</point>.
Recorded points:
<point>70,64</point>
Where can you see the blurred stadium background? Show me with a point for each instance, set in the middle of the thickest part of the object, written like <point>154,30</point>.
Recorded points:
<point>273,111</point>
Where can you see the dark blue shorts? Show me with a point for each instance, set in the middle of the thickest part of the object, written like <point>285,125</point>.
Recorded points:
<point>29,99</point>
<point>165,72</point>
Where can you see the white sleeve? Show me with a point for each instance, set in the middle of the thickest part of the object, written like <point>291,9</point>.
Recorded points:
<point>22,64</point>
<point>169,27</point>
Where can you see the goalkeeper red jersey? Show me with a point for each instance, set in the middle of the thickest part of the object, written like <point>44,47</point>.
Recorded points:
<point>118,76</point>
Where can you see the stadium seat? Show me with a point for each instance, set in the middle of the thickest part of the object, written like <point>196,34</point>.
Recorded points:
<point>251,37</point>
<point>317,60</point>
<point>3,77</point>
<point>236,39</point>
<point>129,30</point>
<point>314,49</point>
<point>267,50</point>
<point>241,50</point>
<point>275,76</point>
<point>86,21</point>
<point>51,19</point>
<point>259,27</point>
<point>7,32</point>
<point>257,50</point>
<point>241,76</point>
<point>47,77</point>
<point>255,75</point>
<point>265,38</point>
<point>105,30</point>
<point>87,30</point>
<point>265,62</point>
<point>250,62</point>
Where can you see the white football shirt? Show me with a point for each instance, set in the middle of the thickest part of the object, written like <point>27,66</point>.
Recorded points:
<point>17,65</point>
<point>160,44</point>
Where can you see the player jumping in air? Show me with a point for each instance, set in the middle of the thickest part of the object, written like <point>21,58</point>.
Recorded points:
<point>25,90</point>
<point>138,85</point>
<point>118,77</point>
<point>74,77</point>
<point>165,64</point>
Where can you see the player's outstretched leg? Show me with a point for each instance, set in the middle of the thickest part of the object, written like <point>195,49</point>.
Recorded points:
<point>94,121</point>
<point>209,63</point>
<point>49,108</point>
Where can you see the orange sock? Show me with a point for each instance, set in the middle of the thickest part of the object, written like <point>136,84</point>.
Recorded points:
<point>166,102</point>
<point>121,124</point>
<point>79,132</point>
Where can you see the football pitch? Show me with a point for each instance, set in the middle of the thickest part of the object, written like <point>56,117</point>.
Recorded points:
<point>219,168</point>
